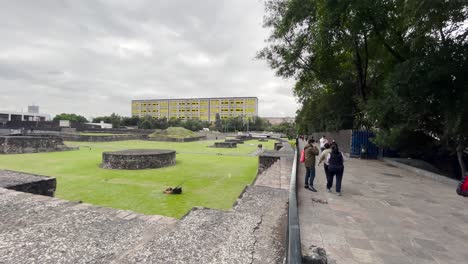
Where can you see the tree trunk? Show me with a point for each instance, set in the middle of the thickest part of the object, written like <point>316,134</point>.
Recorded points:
<point>460,149</point>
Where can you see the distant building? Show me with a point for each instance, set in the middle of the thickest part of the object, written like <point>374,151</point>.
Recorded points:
<point>32,115</point>
<point>279,120</point>
<point>100,124</point>
<point>204,109</point>
<point>33,109</point>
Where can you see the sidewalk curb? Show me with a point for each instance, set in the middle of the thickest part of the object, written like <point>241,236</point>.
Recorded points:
<point>423,173</point>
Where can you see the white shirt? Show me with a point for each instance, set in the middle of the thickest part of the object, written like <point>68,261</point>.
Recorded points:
<point>323,141</point>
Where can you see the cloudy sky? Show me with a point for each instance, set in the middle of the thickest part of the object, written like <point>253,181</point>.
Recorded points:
<point>93,57</point>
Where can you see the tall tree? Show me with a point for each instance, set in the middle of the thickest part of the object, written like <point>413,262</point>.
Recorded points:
<point>401,63</point>
<point>71,117</point>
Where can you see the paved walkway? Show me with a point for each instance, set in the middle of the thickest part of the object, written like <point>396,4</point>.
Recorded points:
<point>386,215</point>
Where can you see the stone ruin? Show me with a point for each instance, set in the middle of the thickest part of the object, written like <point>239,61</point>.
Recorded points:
<point>26,182</point>
<point>238,141</point>
<point>31,144</point>
<point>137,159</point>
<point>225,145</point>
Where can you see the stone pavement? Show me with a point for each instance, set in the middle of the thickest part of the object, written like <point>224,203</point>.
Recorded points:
<point>386,215</point>
<point>277,176</point>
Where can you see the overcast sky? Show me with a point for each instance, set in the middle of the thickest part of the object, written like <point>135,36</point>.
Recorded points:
<point>93,57</point>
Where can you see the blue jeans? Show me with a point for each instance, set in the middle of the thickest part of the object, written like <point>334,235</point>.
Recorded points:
<point>310,176</point>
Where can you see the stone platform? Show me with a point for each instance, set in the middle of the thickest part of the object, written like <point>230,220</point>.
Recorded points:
<point>136,159</point>
<point>31,144</point>
<point>25,182</point>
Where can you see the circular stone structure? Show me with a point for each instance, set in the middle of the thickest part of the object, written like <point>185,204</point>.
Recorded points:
<point>137,159</point>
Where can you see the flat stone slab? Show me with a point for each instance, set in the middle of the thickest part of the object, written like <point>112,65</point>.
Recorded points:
<point>26,182</point>
<point>135,159</point>
<point>36,228</point>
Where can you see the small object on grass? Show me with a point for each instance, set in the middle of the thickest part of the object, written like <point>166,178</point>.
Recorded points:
<point>175,190</point>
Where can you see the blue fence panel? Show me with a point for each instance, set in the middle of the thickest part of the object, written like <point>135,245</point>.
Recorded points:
<point>360,140</point>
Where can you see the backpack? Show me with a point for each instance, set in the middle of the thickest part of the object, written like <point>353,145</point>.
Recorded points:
<point>335,161</point>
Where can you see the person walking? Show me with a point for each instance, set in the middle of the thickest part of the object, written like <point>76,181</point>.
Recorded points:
<point>335,162</point>
<point>310,152</point>
<point>323,158</point>
<point>323,141</point>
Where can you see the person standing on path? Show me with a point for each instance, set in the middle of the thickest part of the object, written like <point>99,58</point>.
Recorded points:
<point>323,157</point>
<point>335,168</point>
<point>310,152</point>
<point>323,141</point>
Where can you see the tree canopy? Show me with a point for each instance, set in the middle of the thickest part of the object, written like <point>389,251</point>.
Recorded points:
<point>70,117</point>
<point>395,66</point>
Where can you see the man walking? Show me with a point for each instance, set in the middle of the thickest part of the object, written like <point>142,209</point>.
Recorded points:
<point>323,141</point>
<point>310,152</point>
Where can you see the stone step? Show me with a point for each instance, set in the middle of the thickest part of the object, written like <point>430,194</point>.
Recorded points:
<point>276,176</point>
<point>252,232</point>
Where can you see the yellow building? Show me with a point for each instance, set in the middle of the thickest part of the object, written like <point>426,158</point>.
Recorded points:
<point>204,109</point>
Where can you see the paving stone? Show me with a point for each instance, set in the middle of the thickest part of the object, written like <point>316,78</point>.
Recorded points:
<point>407,219</point>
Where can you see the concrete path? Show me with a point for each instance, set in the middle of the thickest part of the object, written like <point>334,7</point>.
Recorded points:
<point>386,215</point>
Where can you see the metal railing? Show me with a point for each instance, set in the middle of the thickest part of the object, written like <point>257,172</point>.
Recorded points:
<point>294,239</point>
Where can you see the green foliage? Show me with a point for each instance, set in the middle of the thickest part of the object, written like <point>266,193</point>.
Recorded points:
<point>113,119</point>
<point>395,66</point>
<point>71,117</point>
<point>240,123</point>
<point>218,122</point>
<point>286,128</point>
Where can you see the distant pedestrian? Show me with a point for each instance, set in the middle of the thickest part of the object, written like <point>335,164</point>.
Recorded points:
<point>323,158</point>
<point>335,162</point>
<point>323,141</point>
<point>310,152</point>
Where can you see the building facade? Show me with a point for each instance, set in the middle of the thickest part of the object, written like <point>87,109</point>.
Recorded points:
<point>32,115</point>
<point>204,109</point>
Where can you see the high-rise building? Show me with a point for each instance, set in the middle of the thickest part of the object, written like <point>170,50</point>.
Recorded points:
<point>204,109</point>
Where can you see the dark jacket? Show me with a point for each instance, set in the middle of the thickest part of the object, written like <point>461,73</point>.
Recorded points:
<point>310,153</point>
<point>335,162</point>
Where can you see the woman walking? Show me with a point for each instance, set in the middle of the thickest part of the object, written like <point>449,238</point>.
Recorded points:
<point>335,168</point>
<point>323,158</point>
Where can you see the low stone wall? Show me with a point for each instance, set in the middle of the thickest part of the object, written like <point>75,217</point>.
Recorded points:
<point>225,145</point>
<point>238,141</point>
<point>31,144</point>
<point>265,161</point>
<point>342,137</point>
<point>29,183</point>
<point>136,159</point>
<point>91,138</point>
<point>191,139</point>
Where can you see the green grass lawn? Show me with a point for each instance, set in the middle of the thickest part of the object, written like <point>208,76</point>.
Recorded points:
<point>211,177</point>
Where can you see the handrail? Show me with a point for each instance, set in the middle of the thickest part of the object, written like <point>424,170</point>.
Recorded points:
<point>294,239</point>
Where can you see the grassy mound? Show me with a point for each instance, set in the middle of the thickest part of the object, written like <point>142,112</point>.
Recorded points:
<point>173,132</point>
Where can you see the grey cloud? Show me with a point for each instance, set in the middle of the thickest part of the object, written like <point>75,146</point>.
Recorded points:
<point>93,57</point>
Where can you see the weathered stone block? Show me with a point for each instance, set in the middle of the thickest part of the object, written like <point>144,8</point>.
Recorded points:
<point>136,159</point>
<point>25,182</point>
<point>225,145</point>
<point>31,144</point>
